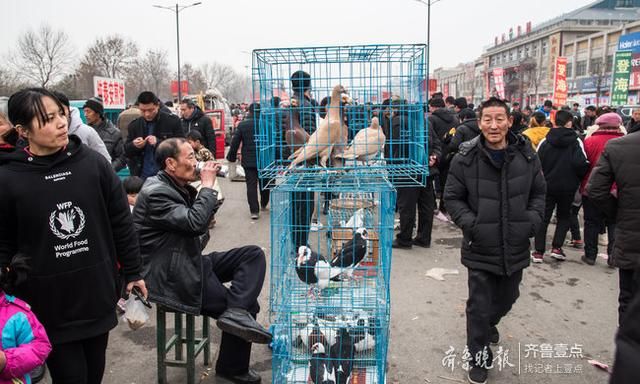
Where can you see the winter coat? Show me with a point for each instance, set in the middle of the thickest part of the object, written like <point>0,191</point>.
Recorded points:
<point>625,367</point>
<point>86,134</point>
<point>201,123</point>
<point>112,139</point>
<point>75,233</point>
<point>535,135</point>
<point>306,111</point>
<point>244,135</point>
<point>442,121</point>
<point>620,163</point>
<point>564,162</point>
<point>167,126</point>
<point>24,341</point>
<point>169,221</point>
<point>466,131</point>
<point>497,207</point>
<point>593,147</point>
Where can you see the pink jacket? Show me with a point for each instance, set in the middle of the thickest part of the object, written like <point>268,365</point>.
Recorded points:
<point>24,340</point>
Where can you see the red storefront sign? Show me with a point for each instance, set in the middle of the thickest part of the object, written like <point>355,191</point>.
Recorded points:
<point>560,88</point>
<point>184,89</point>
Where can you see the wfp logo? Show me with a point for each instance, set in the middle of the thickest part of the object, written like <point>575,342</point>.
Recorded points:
<point>67,221</point>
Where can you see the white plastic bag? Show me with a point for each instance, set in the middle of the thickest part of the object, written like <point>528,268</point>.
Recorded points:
<point>135,313</point>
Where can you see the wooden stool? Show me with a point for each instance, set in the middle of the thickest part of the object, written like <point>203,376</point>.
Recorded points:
<point>194,345</point>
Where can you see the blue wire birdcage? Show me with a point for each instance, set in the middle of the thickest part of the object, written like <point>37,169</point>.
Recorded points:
<point>369,119</point>
<point>332,300</point>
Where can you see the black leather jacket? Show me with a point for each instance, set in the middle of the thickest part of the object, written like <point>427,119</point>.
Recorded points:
<point>170,221</point>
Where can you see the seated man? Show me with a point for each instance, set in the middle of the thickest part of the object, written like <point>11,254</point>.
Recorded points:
<point>171,218</point>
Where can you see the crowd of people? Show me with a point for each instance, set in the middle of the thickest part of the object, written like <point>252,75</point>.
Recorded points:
<point>499,172</point>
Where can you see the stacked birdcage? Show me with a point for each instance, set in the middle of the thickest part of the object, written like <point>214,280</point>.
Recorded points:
<point>333,167</point>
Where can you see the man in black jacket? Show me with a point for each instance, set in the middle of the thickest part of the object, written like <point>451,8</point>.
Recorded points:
<point>495,194</point>
<point>244,135</point>
<point>444,122</point>
<point>194,118</point>
<point>146,132</point>
<point>170,217</point>
<point>110,135</point>
<point>466,131</point>
<point>564,164</point>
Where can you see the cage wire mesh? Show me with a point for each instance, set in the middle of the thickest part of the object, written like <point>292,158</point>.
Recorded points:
<point>345,109</point>
<point>330,272</point>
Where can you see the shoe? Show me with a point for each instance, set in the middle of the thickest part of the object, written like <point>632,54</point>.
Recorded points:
<point>239,322</point>
<point>422,244</point>
<point>537,257</point>
<point>558,254</point>
<point>399,245</point>
<point>587,260</point>
<point>477,375</point>
<point>579,244</point>
<point>263,207</point>
<point>494,335</point>
<point>255,216</point>
<point>38,373</point>
<point>250,377</point>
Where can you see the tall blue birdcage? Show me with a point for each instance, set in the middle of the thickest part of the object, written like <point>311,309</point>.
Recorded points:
<point>342,109</point>
<point>331,239</point>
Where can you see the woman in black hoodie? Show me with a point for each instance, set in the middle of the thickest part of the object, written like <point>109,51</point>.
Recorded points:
<point>63,206</point>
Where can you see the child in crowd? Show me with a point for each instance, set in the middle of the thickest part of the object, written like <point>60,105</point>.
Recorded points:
<point>202,153</point>
<point>24,345</point>
<point>132,186</point>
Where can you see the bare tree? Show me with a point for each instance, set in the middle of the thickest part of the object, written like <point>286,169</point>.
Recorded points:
<point>194,77</point>
<point>111,56</point>
<point>43,56</point>
<point>152,73</point>
<point>9,81</point>
<point>218,75</point>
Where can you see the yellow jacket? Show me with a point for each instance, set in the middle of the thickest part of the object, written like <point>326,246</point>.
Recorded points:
<point>536,135</point>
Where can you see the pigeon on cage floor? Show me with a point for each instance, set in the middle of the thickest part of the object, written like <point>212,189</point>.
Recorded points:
<point>294,135</point>
<point>331,130</point>
<point>341,354</point>
<point>367,143</point>
<point>313,269</point>
<point>351,255</point>
<point>364,332</point>
<point>321,369</point>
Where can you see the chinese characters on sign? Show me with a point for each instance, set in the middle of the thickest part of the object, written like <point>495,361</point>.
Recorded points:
<point>498,80</point>
<point>554,51</point>
<point>634,80</point>
<point>111,91</point>
<point>621,75</point>
<point>560,88</point>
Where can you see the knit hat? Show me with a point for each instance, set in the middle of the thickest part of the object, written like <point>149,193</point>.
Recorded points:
<point>610,119</point>
<point>300,81</point>
<point>95,104</point>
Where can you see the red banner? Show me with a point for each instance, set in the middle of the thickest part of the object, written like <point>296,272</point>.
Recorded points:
<point>433,85</point>
<point>498,81</point>
<point>634,79</point>
<point>560,88</point>
<point>184,87</point>
<point>111,91</point>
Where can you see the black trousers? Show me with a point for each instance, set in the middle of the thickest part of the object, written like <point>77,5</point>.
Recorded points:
<point>574,223</point>
<point>408,199</point>
<point>562,205</point>
<point>302,208</point>
<point>627,291</point>
<point>490,299</point>
<point>245,268</point>
<point>441,181</point>
<point>595,224</point>
<point>251,179</point>
<point>78,362</point>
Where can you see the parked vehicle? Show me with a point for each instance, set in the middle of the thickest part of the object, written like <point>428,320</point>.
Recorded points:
<point>218,123</point>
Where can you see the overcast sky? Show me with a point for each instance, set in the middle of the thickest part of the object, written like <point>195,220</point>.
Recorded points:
<point>220,30</point>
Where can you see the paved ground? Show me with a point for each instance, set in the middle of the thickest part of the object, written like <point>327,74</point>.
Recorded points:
<point>564,305</point>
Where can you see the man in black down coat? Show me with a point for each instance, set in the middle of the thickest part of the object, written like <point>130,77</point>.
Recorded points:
<point>620,164</point>
<point>171,217</point>
<point>443,122</point>
<point>466,131</point>
<point>244,135</point>
<point>194,118</point>
<point>495,194</point>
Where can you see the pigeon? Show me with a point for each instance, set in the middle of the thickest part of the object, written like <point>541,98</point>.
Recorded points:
<point>364,333</point>
<point>313,269</point>
<point>351,254</point>
<point>320,367</point>
<point>355,221</point>
<point>367,143</point>
<point>342,354</point>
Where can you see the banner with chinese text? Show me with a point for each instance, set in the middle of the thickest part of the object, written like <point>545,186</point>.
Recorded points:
<point>560,82</point>
<point>621,73</point>
<point>634,81</point>
<point>498,81</point>
<point>111,91</point>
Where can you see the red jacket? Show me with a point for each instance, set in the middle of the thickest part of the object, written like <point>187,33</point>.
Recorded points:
<point>593,146</point>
